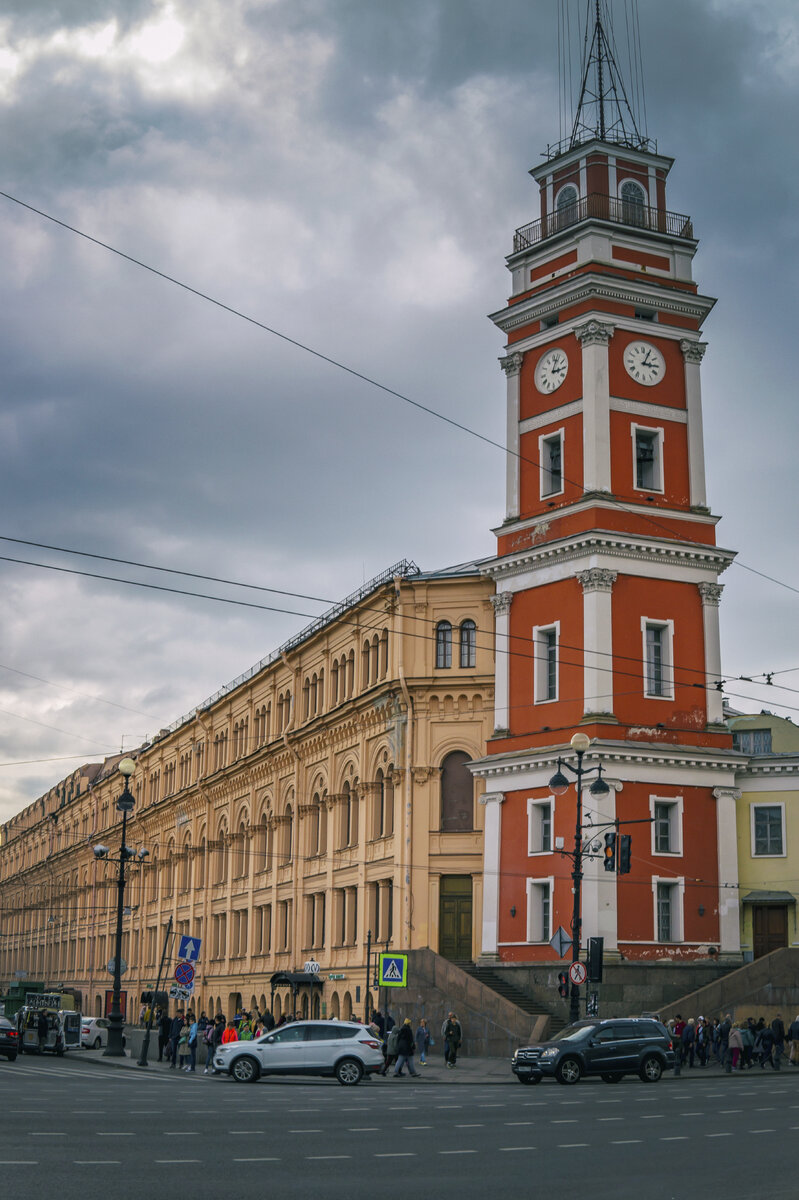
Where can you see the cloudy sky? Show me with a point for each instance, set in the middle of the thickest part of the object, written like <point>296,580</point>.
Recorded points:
<point>350,173</point>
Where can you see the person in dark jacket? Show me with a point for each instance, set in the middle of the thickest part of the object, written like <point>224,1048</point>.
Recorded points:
<point>174,1037</point>
<point>216,1041</point>
<point>405,1048</point>
<point>778,1029</point>
<point>164,1026</point>
<point>688,1042</point>
<point>451,1033</point>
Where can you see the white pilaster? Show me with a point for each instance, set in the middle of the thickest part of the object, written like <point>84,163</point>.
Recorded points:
<point>512,366</point>
<point>599,903</point>
<point>492,829</point>
<point>612,178</point>
<point>711,598</point>
<point>693,353</point>
<point>594,337</point>
<point>597,585</point>
<point>727,842</point>
<point>501,604</point>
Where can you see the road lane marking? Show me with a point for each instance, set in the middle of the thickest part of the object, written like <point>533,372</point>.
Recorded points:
<point>96,1162</point>
<point>762,1130</point>
<point>320,1157</point>
<point>47,1135</point>
<point>181,1133</point>
<point>681,1138</point>
<point>172,1161</point>
<point>628,1142</point>
<point>303,1131</point>
<point>457,1152</point>
<point>510,1149</point>
<point>610,1118</point>
<point>19,1162</point>
<point>116,1133</point>
<point>725,1112</point>
<point>718,1135</point>
<point>256,1160</point>
<point>572,1145</point>
<point>509,1123</point>
<point>376,1128</point>
<point>397,1154</point>
<point>563,1121</point>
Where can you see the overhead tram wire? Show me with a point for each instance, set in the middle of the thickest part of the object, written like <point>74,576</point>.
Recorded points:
<point>375,627</point>
<point>611,501</point>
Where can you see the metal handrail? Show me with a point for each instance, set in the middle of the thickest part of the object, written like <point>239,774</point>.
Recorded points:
<point>603,208</point>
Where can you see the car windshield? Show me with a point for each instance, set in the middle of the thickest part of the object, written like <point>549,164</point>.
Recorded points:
<point>573,1033</point>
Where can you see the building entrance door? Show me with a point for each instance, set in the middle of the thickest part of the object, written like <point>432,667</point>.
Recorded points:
<point>769,927</point>
<point>455,918</point>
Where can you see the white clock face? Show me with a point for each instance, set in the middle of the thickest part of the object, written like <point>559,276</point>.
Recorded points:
<point>644,363</point>
<point>551,371</point>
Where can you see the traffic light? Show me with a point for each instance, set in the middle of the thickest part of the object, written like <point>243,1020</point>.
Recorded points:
<point>625,851</point>
<point>595,948</point>
<point>563,985</point>
<point>610,851</point>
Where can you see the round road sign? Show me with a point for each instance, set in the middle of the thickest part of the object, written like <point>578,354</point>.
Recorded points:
<point>577,973</point>
<point>184,974</point>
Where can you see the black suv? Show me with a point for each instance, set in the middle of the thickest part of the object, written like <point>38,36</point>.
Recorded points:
<point>611,1049</point>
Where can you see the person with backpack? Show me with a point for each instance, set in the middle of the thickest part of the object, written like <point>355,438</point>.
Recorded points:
<point>453,1037</point>
<point>392,1050</point>
<point>405,1044</point>
<point>213,1038</point>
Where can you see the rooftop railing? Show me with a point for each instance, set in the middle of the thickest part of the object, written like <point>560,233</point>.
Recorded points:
<point>596,207</point>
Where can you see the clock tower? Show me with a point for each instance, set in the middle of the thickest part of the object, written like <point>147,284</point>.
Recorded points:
<point>607,568</point>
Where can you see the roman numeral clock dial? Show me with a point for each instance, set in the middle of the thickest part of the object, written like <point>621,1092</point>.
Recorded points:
<point>551,371</point>
<point>644,363</point>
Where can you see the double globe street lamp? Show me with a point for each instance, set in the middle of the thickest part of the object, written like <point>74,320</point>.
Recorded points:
<point>559,784</point>
<point>124,804</point>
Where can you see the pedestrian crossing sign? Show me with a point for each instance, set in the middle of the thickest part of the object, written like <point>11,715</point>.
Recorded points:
<point>393,970</point>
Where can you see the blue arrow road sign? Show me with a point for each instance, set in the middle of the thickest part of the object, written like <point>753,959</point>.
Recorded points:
<point>189,949</point>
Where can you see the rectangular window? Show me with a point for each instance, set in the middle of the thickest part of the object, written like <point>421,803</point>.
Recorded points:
<point>539,910</point>
<point>545,665</point>
<point>665,914</point>
<point>550,457</point>
<point>666,825</point>
<point>752,741</point>
<point>658,637</point>
<point>768,832</point>
<point>539,813</point>
<point>648,458</point>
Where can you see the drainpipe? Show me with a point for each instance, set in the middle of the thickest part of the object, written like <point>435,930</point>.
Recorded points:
<point>407,824</point>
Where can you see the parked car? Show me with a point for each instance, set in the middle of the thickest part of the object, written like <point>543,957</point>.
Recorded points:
<point>610,1049</point>
<point>94,1033</point>
<point>9,1039</point>
<point>342,1049</point>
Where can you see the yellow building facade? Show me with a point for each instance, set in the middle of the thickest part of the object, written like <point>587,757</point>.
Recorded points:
<point>767,819</point>
<point>321,797</point>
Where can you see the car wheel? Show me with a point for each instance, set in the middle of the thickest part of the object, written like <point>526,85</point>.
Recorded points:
<point>651,1069</point>
<point>613,1077</point>
<point>98,1043</point>
<point>349,1072</point>
<point>245,1069</point>
<point>568,1071</point>
<point>11,1057</point>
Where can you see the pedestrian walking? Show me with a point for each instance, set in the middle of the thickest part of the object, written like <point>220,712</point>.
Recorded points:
<point>688,1042</point>
<point>164,1025</point>
<point>405,1045</point>
<point>453,1039</point>
<point>736,1047</point>
<point>392,1050</point>
<point>793,1035</point>
<point>423,1041</point>
<point>213,1037</point>
<point>778,1029</point>
<point>192,1044</point>
<point>174,1037</point>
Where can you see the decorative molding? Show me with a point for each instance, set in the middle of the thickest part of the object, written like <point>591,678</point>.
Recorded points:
<point>597,579</point>
<point>692,352</point>
<point>594,333</point>
<point>551,417</point>
<point>727,793</point>
<point>642,408</point>
<point>512,364</point>
<point>711,593</point>
<point>501,603</point>
<point>492,798</point>
<point>422,774</point>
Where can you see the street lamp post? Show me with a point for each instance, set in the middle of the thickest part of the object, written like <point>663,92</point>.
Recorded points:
<point>125,803</point>
<point>559,785</point>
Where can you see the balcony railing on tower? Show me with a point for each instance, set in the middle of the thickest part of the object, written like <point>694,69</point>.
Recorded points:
<point>596,207</point>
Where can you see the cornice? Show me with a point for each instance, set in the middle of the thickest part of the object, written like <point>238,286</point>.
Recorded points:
<point>621,546</point>
<point>605,500</point>
<point>569,290</point>
<point>519,762</point>
<point>760,768</point>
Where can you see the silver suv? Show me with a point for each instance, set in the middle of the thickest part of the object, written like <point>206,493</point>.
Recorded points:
<point>342,1049</point>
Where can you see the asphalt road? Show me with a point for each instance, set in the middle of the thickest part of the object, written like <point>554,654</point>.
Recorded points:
<point>78,1130</point>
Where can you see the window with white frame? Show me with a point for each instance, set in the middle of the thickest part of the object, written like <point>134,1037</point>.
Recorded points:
<point>550,458</point>
<point>633,202</point>
<point>566,206</point>
<point>666,824</point>
<point>647,458</point>
<point>658,639</point>
<point>545,664</point>
<point>768,830</point>
<point>668,898</point>
<point>539,910</point>
<point>539,825</point>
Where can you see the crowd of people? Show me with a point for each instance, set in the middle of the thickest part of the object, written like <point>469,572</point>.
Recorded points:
<point>185,1035</point>
<point>734,1045</point>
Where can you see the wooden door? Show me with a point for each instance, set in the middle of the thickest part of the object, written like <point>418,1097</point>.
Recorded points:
<point>770,927</point>
<point>455,918</point>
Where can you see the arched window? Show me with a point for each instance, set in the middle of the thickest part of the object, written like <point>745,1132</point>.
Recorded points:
<point>384,654</point>
<point>468,644</point>
<point>306,699</point>
<point>185,866</point>
<point>199,872</point>
<point>288,835</point>
<point>350,673</point>
<point>633,202</point>
<point>383,813</point>
<point>221,855</point>
<point>457,794</point>
<point>334,683</point>
<point>566,206</point>
<point>365,664</point>
<point>242,851</point>
<point>375,658</point>
<point>443,645</point>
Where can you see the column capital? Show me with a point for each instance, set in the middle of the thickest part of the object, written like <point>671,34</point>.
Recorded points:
<point>727,793</point>
<point>512,363</point>
<point>597,579</point>
<point>711,593</point>
<point>692,352</point>
<point>501,603</point>
<point>492,798</point>
<point>594,333</point>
